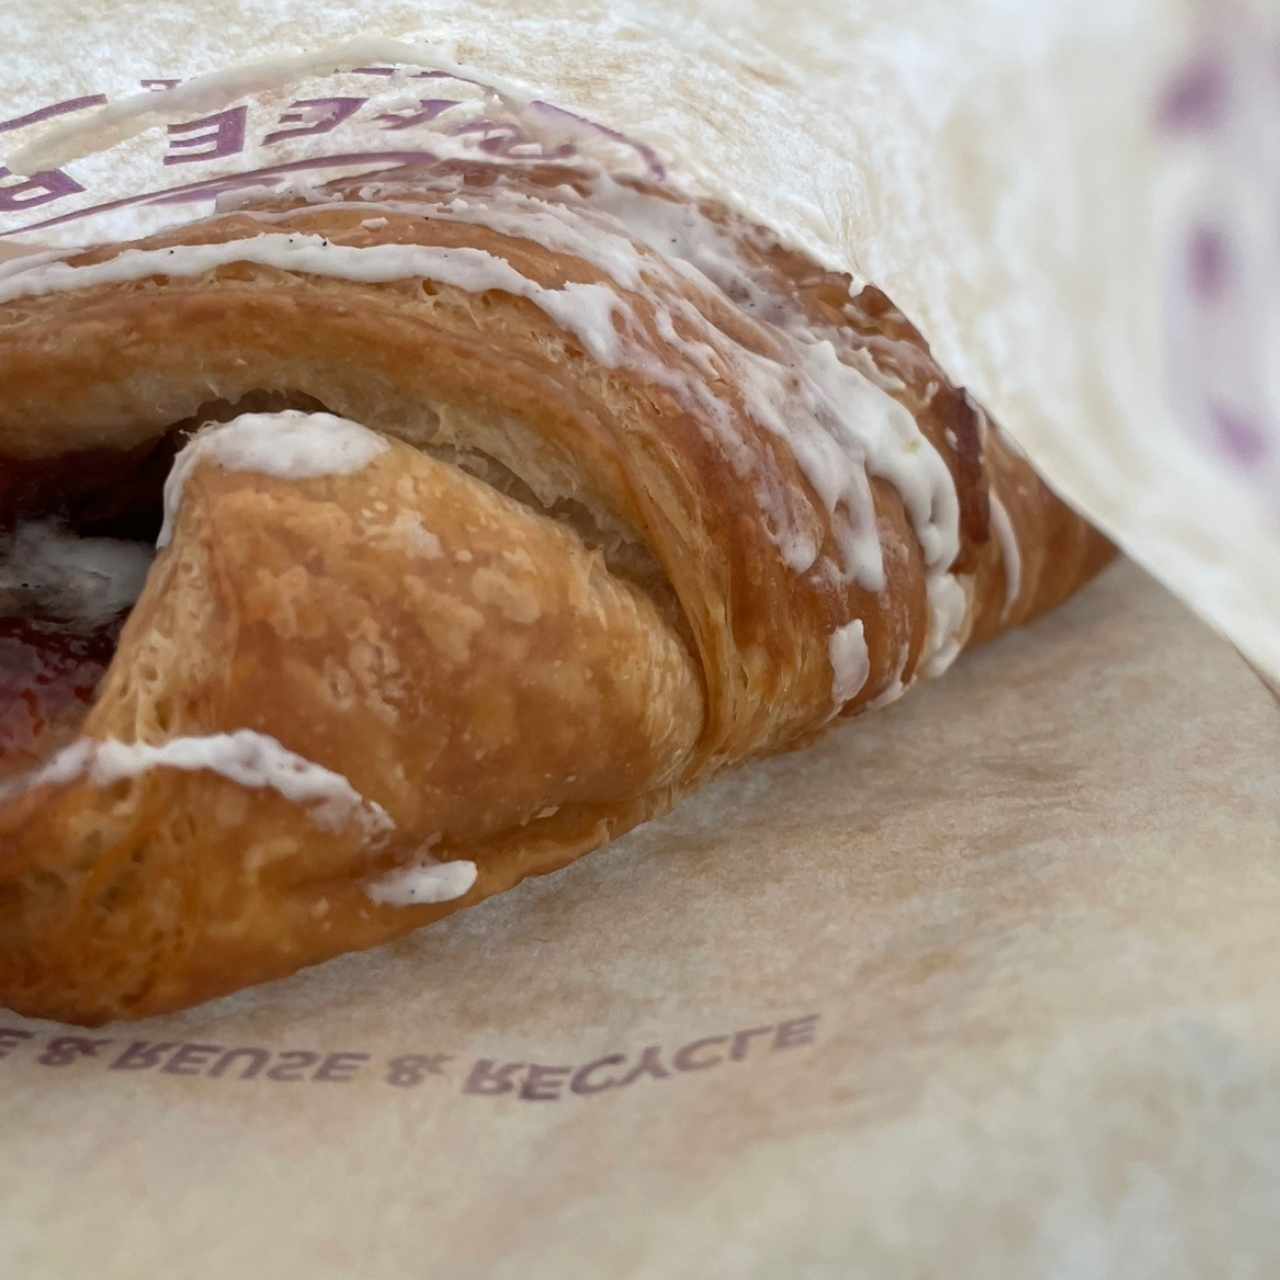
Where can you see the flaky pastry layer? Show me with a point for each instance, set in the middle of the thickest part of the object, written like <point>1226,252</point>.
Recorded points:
<point>614,546</point>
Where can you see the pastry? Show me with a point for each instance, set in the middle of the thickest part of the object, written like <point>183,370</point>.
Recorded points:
<point>495,507</point>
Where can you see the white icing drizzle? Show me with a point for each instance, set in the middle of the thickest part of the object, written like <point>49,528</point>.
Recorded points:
<point>553,225</point>
<point>837,417</point>
<point>251,759</point>
<point>897,686</point>
<point>889,695</point>
<point>1010,553</point>
<point>25,261</point>
<point>840,424</point>
<point>292,445</point>
<point>424,883</point>
<point>850,661</point>
<point>948,597</point>
<point>583,309</point>
<point>66,766</point>
<point>849,425</point>
<point>88,581</point>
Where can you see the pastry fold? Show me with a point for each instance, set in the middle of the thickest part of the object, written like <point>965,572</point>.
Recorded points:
<point>511,503</point>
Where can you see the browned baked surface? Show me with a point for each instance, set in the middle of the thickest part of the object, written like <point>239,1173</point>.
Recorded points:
<point>605,620</point>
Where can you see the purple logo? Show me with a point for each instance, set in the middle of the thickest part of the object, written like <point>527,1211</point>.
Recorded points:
<point>1223,108</point>
<point>234,132</point>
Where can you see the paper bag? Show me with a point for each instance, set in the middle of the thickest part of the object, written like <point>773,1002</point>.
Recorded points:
<point>1074,203</point>
<point>980,985</point>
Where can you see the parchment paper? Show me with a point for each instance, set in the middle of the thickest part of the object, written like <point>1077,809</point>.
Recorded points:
<point>984,984</point>
<point>1075,201</point>
<point>998,966</point>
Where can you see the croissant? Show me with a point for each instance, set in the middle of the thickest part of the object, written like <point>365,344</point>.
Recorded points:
<point>496,507</point>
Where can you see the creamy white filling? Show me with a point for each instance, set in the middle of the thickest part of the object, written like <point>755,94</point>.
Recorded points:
<point>47,570</point>
<point>291,445</point>
<point>427,882</point>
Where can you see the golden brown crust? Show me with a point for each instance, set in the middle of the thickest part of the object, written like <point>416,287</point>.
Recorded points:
<point>548,679</point>
<point>411,627</point>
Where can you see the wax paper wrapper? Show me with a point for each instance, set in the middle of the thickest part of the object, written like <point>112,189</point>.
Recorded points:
<point>983,983</point>
<point>1076,202</point>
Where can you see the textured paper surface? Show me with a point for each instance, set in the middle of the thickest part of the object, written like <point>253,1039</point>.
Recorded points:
<point>1033,908</point>
<point>983,984</point>
<point>1074,201</point>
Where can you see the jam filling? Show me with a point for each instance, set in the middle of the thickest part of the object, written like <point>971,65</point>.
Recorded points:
<point>48,675</point>
<point>76,536</point>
